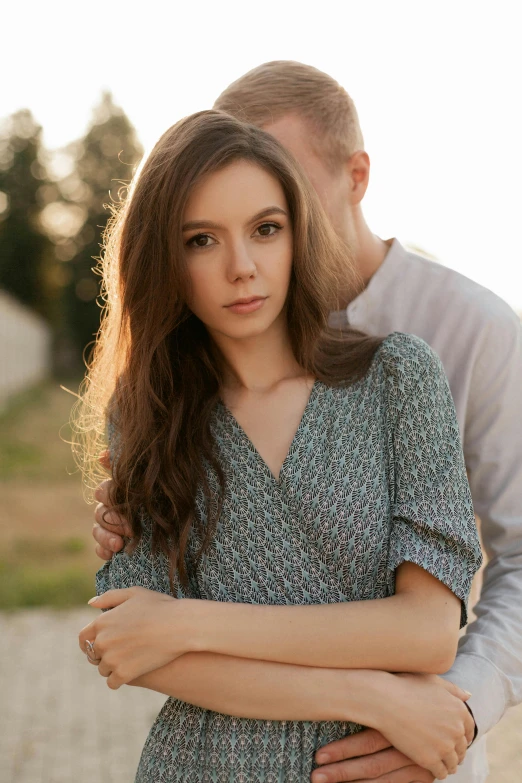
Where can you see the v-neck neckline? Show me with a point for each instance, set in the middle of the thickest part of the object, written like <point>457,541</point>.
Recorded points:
<point>293,445</point>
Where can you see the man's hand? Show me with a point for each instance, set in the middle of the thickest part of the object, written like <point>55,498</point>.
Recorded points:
<point>108,532</point>
<point>366,756</point>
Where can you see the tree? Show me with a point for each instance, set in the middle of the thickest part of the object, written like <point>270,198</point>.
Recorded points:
<point>26,257</point>
<point>105,160</point>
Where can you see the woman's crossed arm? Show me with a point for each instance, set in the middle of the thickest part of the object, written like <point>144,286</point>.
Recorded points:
<point>422,716</point>
<point>415,630</point>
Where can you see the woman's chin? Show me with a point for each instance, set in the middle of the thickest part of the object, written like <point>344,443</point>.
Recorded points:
<point>243,331</point>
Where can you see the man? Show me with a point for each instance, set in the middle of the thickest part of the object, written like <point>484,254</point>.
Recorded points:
<point>479,340</point>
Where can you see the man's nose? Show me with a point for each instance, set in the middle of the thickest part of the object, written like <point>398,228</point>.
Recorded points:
<point>241,264</point>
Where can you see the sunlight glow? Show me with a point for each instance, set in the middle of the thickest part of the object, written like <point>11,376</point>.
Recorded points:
<point>436,85</point>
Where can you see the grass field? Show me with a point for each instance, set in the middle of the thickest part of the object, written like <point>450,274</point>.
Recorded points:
<point>46,547</point>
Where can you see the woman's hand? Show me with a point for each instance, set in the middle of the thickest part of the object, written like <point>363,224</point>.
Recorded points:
<point>143,631</point>
<point>428,723</point>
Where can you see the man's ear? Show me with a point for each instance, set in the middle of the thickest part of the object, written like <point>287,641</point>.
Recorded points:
<point>358,166</point>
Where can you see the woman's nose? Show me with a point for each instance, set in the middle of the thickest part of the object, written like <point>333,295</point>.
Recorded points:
<point>241,264</point>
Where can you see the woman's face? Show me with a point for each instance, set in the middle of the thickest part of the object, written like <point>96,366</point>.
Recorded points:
<point>238,242</point>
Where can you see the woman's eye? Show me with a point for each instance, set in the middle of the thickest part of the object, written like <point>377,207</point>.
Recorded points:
<point>200,240</point>
<point>268,229</point>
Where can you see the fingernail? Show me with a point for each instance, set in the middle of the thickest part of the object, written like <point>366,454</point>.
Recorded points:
<point>320,778</point>
<point>322,758</point>
<point>93,600</point>
<point>468,693</point>
<point>113,544</point>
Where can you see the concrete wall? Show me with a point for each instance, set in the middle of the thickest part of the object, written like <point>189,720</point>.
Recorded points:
<point>25,347</point>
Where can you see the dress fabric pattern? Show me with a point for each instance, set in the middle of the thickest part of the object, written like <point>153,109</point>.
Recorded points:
<point>374,477</point>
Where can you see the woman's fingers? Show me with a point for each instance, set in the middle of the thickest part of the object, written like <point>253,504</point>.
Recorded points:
<point>451,762</point>
<point>114,682</point>
<point>439,771</point>
<point>104,670</point>
<point>455,690</point>
<point>469,721</point>
<point>461,749</point>
<point>87,634</point>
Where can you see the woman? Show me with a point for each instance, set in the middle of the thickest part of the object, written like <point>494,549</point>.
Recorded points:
<point>300,491</point>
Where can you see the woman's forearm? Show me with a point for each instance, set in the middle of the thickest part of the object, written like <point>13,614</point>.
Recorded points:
<point>269,691</point>
<point>415,630</point>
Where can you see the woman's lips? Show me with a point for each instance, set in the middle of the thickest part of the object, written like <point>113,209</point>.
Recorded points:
<point>242,308</point>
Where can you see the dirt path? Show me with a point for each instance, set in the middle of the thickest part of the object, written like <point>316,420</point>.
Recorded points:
<point>60,723</point>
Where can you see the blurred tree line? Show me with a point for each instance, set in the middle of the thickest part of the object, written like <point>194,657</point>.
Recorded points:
<point>52,217</point>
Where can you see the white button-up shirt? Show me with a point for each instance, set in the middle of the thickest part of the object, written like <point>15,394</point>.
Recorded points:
<point>479,340</point>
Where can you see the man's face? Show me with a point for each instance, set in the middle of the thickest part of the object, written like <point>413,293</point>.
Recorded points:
<point>333,188</point>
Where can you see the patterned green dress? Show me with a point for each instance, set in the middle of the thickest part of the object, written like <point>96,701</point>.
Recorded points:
<point>374,477</point>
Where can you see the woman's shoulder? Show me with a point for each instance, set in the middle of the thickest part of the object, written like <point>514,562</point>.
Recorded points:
<point>407,358</point>
<point>402,364</point>
<point>408,371</point>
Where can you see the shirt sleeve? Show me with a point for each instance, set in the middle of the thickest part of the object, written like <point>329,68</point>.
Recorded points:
<point>433,523</point>
<point>489,659</point>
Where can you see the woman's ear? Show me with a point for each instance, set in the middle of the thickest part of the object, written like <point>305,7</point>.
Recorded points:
<point>358,167</point>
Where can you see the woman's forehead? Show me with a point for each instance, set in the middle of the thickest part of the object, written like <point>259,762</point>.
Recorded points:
<point>241,189</point>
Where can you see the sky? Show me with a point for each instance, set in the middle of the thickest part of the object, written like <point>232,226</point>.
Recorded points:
<point>437,85</point>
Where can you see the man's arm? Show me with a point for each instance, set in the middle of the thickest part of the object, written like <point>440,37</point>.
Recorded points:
<point>489,659</point>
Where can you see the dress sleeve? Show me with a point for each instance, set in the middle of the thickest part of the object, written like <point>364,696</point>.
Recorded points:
<point>433,524</point>
<point>140,568</point>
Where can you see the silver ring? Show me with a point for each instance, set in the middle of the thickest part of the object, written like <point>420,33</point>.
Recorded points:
<point>90,649</point>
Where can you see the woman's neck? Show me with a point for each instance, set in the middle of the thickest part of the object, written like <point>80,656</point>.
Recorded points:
<point>258,363</point>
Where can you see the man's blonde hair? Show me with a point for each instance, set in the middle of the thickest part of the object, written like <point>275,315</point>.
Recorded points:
<point>272,90</point>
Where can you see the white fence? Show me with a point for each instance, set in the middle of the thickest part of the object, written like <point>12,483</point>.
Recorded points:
<point>25,347</point>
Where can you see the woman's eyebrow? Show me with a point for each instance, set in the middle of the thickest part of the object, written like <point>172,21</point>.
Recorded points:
<point>193,224</point>
<point>266,212</point>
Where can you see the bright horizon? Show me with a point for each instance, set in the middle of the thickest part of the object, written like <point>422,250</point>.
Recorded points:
<point>436,86</point>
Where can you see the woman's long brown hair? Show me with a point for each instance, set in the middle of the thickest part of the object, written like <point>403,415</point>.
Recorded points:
<point>153,372</point>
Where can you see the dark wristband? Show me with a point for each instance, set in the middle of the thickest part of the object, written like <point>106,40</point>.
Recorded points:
<point>474,721</point>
